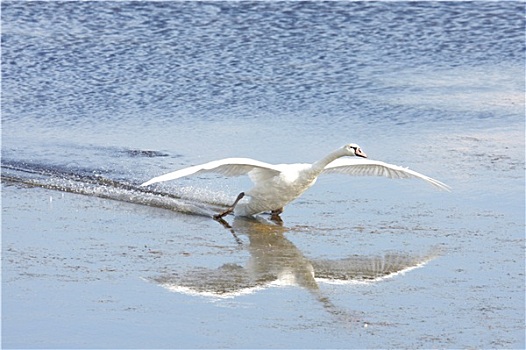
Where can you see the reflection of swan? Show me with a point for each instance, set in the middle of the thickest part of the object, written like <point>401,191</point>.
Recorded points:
<point>278,185</point>
<point>274,260</point>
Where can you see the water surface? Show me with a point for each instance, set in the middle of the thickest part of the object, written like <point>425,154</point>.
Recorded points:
<point>99,97</point>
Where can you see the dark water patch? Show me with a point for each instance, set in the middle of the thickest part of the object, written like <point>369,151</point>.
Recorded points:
<point>143,153</point>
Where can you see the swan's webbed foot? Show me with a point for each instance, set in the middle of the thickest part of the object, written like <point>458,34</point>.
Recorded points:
<point>230,209</point>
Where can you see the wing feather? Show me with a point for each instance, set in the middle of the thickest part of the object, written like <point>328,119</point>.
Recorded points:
<point>227,167</point>
<point>367,167</point>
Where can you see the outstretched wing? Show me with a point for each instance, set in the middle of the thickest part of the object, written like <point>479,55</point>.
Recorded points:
<point>367,167</point>
<point>227,167</point>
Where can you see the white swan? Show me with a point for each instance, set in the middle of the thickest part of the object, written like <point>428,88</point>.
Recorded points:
<point>278,185</point>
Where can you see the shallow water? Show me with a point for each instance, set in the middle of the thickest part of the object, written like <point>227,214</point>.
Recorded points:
<point>99,97</point>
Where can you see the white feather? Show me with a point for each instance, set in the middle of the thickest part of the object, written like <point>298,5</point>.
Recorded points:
<point>227,167</point>
<point>367,167</point>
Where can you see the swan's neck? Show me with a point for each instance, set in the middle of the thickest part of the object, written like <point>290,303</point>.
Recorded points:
<point>322,163</point>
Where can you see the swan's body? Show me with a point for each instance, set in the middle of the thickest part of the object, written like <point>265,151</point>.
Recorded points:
<point>277,185</point>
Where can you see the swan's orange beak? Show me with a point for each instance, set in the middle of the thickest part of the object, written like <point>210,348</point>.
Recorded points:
<point>359,153</point>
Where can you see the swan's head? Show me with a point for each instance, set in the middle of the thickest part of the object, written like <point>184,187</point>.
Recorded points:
<point>353,149</point>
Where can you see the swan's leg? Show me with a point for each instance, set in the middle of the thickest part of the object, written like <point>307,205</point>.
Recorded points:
<point>274,215</point>
<point>231,208</point>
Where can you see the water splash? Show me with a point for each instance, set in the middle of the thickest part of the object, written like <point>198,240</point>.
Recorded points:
<point>90,183</point>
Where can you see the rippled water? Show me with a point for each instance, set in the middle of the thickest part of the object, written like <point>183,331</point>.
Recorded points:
<point>98,97</point>
<point>71,64</point>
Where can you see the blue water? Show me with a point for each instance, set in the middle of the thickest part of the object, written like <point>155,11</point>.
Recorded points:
<point>98,97</point>
<point>68,64</point>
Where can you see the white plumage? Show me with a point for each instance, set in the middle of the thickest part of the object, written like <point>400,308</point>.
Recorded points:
<point>277,185</point>
<point>366,167</point>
